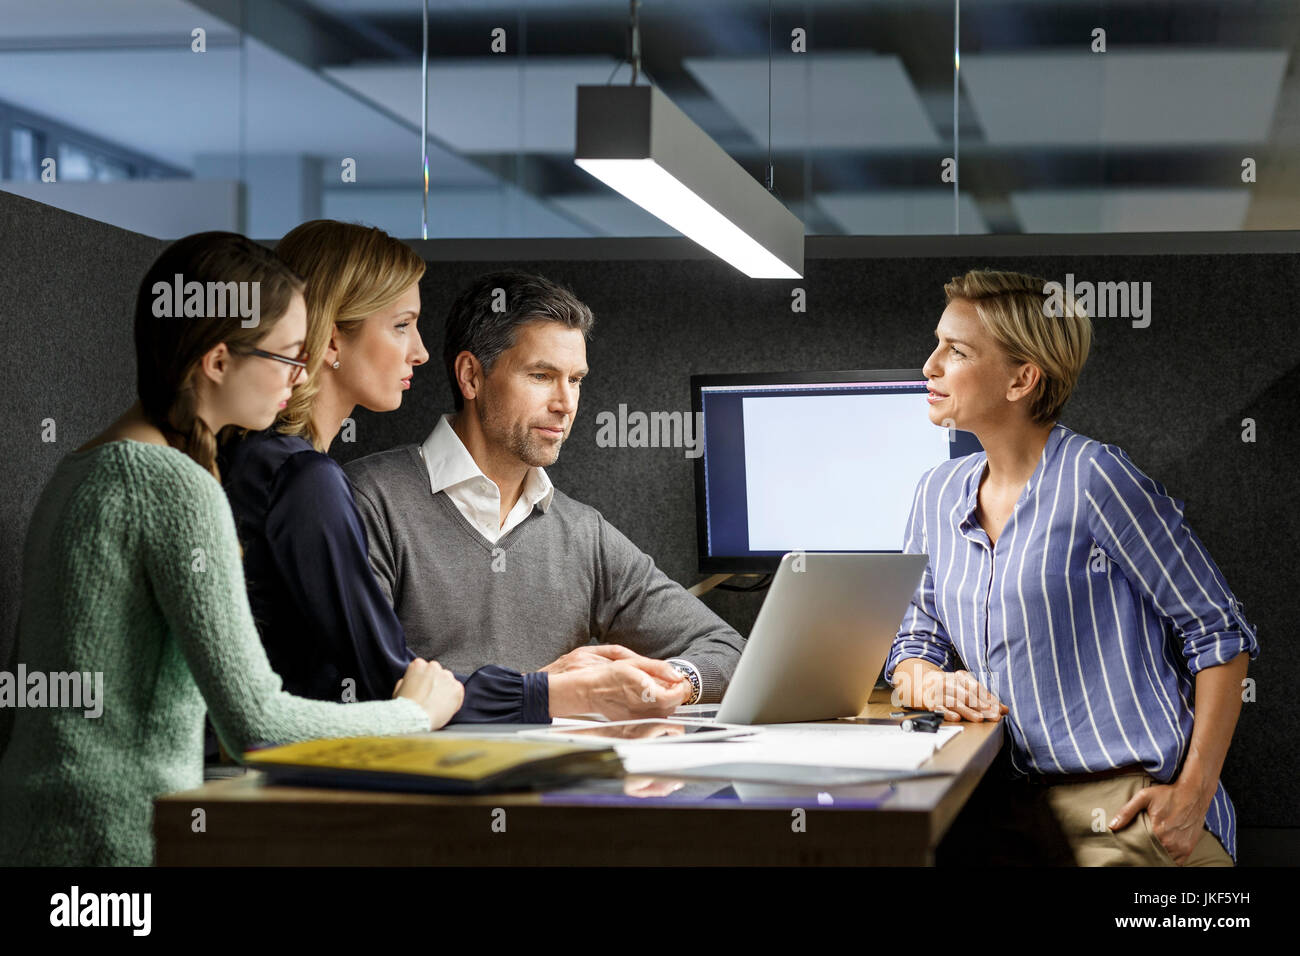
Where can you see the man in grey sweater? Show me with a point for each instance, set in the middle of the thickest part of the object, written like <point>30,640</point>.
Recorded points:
<point>486,562</point>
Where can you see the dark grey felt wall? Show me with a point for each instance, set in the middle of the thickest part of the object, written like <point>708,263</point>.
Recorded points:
<point>67,292</point>
<point>1221,347</point>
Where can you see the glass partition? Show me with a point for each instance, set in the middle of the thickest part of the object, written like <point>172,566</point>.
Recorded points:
<point>893,117</point>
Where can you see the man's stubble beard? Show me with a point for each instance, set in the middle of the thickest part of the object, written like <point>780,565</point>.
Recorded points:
<point>518,439</point>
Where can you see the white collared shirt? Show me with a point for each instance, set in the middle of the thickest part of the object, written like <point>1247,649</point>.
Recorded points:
<point>452,469</point>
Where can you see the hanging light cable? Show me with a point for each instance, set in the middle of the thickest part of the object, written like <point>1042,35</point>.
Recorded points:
<point>634,38</point>
<point>956,138</point>
<point>771,171</point>
<point>424,126</point>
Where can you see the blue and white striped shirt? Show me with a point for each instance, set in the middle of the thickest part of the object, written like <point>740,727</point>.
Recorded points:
<point>1088,618</point>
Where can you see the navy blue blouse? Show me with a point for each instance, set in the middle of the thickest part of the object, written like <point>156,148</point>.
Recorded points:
<point>322,615</point>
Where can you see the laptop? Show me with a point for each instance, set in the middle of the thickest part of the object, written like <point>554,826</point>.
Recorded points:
<point>820,639</point>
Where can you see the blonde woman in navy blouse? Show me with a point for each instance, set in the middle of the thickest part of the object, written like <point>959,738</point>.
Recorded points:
<point>1066,594</point>
<point>328,627</point>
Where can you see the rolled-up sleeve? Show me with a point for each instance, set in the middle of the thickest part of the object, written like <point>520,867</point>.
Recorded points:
<point>1143,531</point>
<point>921,633</point>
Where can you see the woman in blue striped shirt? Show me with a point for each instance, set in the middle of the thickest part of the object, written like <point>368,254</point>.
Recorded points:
<point>1065,591</point>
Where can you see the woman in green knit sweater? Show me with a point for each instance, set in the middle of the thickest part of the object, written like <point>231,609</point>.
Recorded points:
<point>131,570</point>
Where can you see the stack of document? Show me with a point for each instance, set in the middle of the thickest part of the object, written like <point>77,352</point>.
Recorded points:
<point>854,746</point>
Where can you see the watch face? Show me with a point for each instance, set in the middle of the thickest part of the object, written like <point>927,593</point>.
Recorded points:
<point>691,676</point>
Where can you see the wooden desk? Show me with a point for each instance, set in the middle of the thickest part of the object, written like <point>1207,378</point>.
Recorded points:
<point>251,823</point>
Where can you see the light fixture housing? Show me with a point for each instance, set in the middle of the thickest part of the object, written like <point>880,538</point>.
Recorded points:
<point>634,139</point>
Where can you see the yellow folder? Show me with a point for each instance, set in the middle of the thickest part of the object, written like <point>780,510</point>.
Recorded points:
<point>434,763</point>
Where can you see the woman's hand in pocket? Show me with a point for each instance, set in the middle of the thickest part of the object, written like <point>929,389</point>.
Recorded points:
<point>1177,813</point>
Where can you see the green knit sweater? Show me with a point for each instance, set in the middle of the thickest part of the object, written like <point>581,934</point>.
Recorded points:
<point>131,568</point>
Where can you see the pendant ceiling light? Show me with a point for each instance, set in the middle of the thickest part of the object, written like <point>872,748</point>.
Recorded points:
<point>634,139</point>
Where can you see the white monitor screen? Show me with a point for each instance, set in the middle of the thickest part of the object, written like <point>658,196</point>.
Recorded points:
<point>826,466</point>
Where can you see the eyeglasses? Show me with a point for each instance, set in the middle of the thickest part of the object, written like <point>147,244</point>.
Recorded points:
<point>298,363</point>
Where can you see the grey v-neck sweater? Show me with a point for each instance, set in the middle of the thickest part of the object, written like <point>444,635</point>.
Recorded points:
<point>561,579</point>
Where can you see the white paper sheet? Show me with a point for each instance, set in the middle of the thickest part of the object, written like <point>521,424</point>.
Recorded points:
<point>859,746</point>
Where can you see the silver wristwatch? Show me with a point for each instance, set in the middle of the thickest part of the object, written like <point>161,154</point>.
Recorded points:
<point>687,669</point>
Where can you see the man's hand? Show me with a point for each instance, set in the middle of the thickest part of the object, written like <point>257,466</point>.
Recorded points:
<point>1177,813</point>
<point>584,657</point>
<point>600,654</point>
<point>618,689</point>
<point>960,696</point>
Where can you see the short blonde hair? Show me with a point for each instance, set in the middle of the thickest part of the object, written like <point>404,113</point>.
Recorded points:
<point>352,271</point>
<point>1012,308</point>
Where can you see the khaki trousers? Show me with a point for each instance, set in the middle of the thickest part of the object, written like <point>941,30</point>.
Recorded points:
<point>1011,822</point>
<point>1081,808</point>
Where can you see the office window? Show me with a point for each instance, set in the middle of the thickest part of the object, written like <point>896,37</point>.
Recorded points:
<point>80,165</point>
<point>74,164</point>
<point>24,146</point>
<point>110,170</point>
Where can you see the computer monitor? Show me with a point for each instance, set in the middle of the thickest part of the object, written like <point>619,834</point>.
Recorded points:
<point>810,461</point>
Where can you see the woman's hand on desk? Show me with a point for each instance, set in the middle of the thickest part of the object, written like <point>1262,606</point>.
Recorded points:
<point>960,696</point>
<point>957,693</point>
<point>434,688</point>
